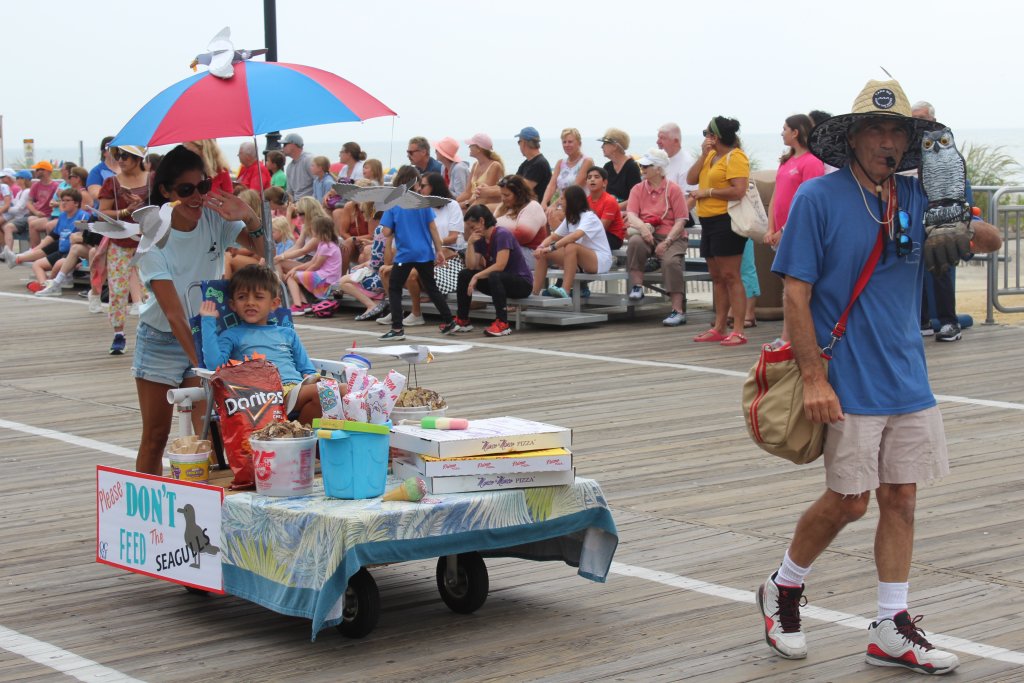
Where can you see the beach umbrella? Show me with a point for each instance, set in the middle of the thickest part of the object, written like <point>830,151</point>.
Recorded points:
<point>260,97</point>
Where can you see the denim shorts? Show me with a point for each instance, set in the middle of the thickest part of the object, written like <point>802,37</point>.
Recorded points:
<point>159,357</point>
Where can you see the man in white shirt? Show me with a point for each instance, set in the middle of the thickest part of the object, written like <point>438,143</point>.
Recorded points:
<point>670,140</point>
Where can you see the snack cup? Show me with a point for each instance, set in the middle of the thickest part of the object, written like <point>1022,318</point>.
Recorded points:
<point>190,466</point>
<point>284,467</point>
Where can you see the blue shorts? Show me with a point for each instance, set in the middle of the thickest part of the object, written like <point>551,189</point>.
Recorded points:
<point>159,357</point>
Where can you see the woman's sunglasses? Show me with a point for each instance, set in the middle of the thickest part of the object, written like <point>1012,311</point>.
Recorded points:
<point>187,189</point>
<point>122,156</point>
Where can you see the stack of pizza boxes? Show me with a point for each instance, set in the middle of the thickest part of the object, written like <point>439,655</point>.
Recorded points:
<point>492,454</point>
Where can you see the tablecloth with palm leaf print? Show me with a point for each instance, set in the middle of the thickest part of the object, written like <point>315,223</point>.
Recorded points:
<point>296,555</point>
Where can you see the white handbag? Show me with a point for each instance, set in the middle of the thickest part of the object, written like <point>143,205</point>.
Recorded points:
<point>747,214</point>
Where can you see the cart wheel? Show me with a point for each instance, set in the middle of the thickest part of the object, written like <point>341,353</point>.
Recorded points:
<point>196,591</point>
<point>466,592</point>
<point>362,606</point>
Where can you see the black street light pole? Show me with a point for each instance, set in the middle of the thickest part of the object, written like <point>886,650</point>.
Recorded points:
<point>270,38</point>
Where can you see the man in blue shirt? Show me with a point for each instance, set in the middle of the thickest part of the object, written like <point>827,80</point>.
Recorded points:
<point>418,152</point>
<point>885,432</point>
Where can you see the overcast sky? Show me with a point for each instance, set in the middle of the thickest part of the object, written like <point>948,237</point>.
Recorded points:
<point>81,70</point>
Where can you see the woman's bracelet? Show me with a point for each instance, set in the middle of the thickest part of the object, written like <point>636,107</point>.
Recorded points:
<point>256,234</point>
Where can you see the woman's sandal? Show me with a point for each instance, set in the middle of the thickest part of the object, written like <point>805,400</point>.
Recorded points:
<point>711,335</point>
<point>734,339</point>
<point>747,324</point>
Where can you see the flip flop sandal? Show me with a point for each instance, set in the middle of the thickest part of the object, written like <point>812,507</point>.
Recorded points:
<point>734,339</point>
<point>747,324</point>
<point>711,335</point>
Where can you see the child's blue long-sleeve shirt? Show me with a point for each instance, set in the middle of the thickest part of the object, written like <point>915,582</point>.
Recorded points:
<point>279,345</point>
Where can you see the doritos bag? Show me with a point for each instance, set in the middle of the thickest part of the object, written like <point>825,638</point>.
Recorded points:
<point>248,396</point>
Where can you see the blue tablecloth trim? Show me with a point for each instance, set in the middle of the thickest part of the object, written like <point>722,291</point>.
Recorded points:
<point>297,601</point>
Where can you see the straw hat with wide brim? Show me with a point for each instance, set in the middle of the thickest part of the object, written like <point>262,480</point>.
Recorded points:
<point>877,98</point>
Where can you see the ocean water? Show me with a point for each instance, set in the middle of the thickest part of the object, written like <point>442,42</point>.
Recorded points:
<point>764,149</point>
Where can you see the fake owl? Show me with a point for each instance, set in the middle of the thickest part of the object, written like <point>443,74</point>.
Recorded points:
<point>947,220</point>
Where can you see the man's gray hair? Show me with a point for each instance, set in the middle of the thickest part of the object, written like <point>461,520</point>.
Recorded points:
<point>672,130</point>
<point>421,142</point>
<point>248,147</point>
<point>927,106</point>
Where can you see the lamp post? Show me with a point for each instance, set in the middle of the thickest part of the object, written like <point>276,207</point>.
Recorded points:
<point>270,39</point>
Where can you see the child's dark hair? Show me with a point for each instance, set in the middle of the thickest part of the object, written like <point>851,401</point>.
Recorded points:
<point>599,171</point>
<point>75,195</point>
<point>479,212</point>
<point>575,204</point>
<point>178,161</point>
<point>254,277</point>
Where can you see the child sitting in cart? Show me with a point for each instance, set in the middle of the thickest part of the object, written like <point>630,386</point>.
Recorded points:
<point>253,294</point>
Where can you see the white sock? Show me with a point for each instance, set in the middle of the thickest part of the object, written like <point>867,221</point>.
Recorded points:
<point>790,573</point>
<point>59,280</point>
<point>892,599</point>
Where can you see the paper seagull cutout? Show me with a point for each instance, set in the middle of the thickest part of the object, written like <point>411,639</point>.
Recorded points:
<point>385,198</point>
<point>222,55</point>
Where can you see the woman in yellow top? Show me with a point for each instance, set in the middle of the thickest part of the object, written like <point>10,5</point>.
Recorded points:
<point>722,172</point>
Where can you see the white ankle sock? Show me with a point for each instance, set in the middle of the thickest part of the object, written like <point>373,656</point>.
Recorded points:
<point>60,278</point>
<point>790,573</point>
<point>892,599</point>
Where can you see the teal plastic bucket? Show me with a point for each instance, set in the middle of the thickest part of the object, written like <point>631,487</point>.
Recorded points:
<point>354,460</point>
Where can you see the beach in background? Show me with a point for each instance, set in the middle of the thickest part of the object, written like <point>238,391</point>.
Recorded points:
<point>763,148</point>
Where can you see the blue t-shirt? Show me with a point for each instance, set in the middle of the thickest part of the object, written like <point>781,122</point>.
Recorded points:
<point>65,226</point>
<point>187,257</point>
<point>280,345</point>
<point>413,242</point>
<point>879,367</point>
<point>98,173</point>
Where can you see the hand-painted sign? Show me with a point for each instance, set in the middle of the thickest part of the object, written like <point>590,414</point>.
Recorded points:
<point>159,527</point>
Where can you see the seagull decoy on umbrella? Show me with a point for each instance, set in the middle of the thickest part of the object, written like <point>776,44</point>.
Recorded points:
<point>221,55</point>
<point>414,355</point>
<point>384,198</point>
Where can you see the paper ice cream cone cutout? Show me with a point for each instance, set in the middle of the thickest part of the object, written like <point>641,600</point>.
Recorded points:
<point>412,489</point>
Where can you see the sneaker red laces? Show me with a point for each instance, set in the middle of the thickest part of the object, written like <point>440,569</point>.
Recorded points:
<point>900,642</point>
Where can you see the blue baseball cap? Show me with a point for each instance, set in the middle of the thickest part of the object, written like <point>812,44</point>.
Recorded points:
<point>24,174</point>
<point>529,133</point>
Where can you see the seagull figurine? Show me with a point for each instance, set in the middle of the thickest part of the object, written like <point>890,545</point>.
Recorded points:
<point>385,198</point>
<point>414,355</point>
<point>221,55</point>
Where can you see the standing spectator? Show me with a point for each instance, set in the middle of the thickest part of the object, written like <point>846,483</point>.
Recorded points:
<point>120,195</point>
<point>495,265</point>
<point>818,116</point>
<point>456,171</point>
<point>320,167</point>
<point>670,139</point>
<point>300,175</point>
<point>419,156</point>
<point>604,206</point>
<point>569,171</point>
<point>622,170</point>
<point>352,157</point>
<point>275,167</point>
<point>942,285</point>
<point>796,166</point>
<point>656,213</point>
<point>254,174</point>
<point>217,168</point>
<point>487,169</point>
<point>103,170</point>
<point>885,433</point>
<point>722,171</point>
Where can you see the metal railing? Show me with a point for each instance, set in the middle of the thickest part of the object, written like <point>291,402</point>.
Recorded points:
<point>1004,266</point>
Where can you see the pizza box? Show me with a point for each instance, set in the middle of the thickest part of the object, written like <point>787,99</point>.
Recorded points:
<point>472,483</point>
<point>548,460</point>
<point>491,436</point>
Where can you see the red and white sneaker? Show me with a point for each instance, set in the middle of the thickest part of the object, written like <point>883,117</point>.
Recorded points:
<point>900,642</point>
<point>499,328</point>
<point>780,608</point>
<point>463,325</point>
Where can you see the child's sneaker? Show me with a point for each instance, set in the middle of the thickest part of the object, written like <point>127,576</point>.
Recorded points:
<point>34,287</point>
<point>899,642</point>
<point>392,335</point>
<point>118,345</point>
<point>413,320</point>
<point>557,292</point>
<point>10,257</point>
<point>463,325</point>
<point>384,319</point>
<point>499,328</point>
<point>300,309</point>
<point>584,290</point>
<point>94,302</point>
<point>134,308</point>
<point>448,327</point>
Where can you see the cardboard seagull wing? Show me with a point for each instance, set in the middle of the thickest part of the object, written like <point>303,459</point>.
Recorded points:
<point>413,200</point>
<point>414,354</point>
<point>354,193</point>
<point>155,226</point>
<point>113,228</point>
